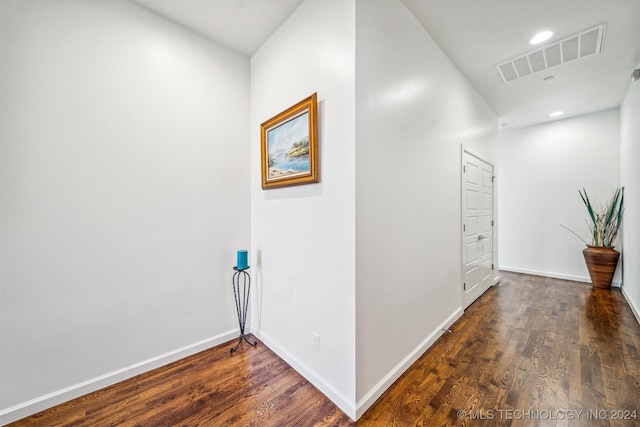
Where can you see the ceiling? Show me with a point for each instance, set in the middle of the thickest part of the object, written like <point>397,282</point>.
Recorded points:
<point>242,25</point>
<point>478,34</point>
<point>475,35</point>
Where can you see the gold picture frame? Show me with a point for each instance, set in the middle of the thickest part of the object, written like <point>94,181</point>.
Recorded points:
<point>289,146</point>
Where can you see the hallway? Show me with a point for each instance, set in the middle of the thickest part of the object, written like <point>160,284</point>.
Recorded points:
<point>531,351</point>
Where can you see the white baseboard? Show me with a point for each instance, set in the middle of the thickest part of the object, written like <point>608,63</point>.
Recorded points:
<point>347,405</point>
<point>632,304</point>
<point>584,279</point>
<point>57,397</point>
<point>386,382</point>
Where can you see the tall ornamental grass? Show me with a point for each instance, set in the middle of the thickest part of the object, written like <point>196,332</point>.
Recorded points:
<point>605,222</point>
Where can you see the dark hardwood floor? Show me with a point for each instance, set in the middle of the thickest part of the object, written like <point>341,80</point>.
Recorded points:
<point>532,351</point>
<point>251,387</point>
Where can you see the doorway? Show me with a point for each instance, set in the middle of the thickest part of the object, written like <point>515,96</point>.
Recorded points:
<point>477,227</point>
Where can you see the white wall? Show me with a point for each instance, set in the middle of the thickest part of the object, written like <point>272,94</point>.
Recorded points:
<point>414,110</point>
<point>630,178</point>
<point>541,170</point>
<point>120,136</point>
<point>303,238</point>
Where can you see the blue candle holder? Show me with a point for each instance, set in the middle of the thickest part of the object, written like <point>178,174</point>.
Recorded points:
<point>243,260</point>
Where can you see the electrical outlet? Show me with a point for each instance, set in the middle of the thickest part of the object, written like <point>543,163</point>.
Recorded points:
<point>316,341</point>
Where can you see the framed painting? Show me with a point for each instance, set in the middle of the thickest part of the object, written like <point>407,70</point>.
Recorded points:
<point>289,146</point>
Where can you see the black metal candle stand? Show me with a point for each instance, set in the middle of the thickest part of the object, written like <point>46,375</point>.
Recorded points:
<point>241,293</point>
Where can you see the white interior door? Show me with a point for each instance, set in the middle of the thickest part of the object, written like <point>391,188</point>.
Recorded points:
<point>477,227</point>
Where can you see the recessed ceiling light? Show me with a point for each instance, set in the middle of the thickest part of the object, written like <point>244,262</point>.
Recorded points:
<point>541,37</point>
<point>556,114</point>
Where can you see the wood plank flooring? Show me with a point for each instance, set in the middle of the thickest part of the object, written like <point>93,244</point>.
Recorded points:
<point>532,351</point>
<point>251,387</point>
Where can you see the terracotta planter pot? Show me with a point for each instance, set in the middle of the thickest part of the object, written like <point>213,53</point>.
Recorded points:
<point>601,263</point>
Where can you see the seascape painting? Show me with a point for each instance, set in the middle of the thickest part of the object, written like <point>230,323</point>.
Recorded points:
<point>289,147</point>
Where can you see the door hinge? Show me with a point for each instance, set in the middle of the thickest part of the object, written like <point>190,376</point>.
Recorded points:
<point>464,286</point>
<point>464,227</point>
<point>492,267</point>
<point>464,168</point>
<point>492,223</point>
<point>493,178</point>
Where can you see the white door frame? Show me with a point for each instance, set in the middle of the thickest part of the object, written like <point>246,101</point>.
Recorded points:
<point>462,224</point>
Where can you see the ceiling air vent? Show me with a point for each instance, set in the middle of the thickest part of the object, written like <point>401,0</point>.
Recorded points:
<point>577,46</point>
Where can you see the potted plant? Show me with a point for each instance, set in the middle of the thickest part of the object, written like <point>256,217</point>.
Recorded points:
<point>600,256</point>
